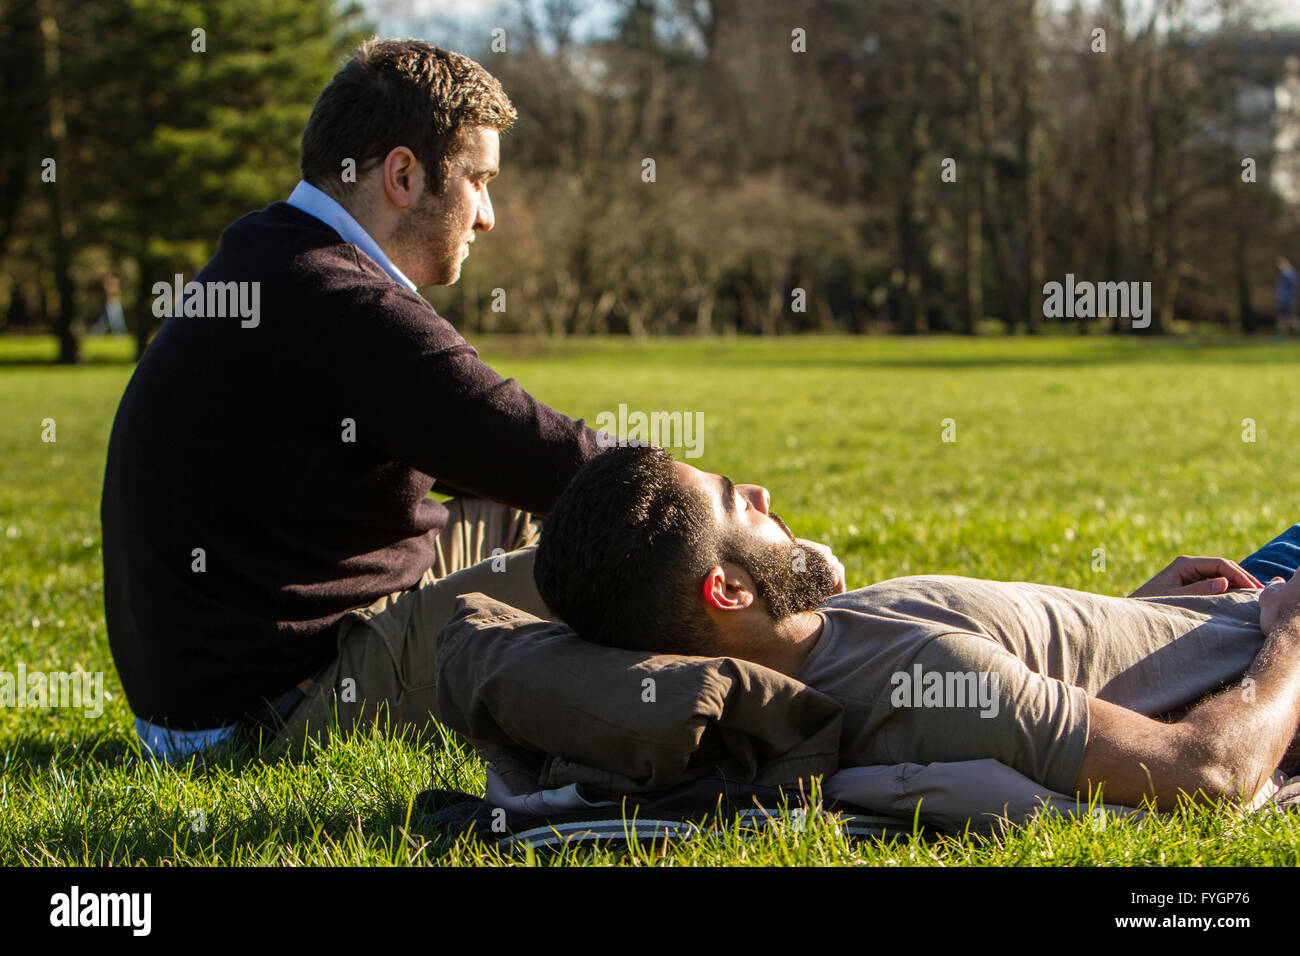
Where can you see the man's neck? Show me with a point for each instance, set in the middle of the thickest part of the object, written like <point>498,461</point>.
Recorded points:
<point>804,631</point>
<point>356,222</point>
<point>785,645</point>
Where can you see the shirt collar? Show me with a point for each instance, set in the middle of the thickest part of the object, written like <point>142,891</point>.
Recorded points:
<point>324,207</point>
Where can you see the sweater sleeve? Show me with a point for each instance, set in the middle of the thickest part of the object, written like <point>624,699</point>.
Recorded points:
<point>424,397</point>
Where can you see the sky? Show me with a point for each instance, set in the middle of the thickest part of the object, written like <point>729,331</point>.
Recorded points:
<point>464,22</point>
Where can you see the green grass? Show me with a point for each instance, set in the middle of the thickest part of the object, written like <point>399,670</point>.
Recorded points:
<point>1064,446</point>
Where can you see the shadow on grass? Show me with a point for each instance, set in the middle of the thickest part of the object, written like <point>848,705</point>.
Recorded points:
<point>42,351</point>
<point>32,753</point>
<point>133,820</point>
<point>113,804</point>
<point>895,352</point>
<point>804,351</point>
<point>1039,354</point>
<point>161,835</point>
<point>29,362</point>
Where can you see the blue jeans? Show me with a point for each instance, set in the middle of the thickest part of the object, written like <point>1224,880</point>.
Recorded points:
<point>1279,558</point>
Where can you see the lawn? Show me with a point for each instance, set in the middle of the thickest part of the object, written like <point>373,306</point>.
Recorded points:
<point>1084,463</point>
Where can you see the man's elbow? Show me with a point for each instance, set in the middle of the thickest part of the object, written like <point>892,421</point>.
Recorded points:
<point>1212,783</point>
<point>1215,773</point>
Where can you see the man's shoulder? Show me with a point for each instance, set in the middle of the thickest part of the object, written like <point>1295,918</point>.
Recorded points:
<point>927,588</point>
<point>281,244</point>
<point>899,612</point>
<point>283,219</point>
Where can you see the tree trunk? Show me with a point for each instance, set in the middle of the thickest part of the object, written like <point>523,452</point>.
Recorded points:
<point>1031,163</point>
<point>144,304</point>
<point>63,234</point>
<point>972,177</point>
<point>993,210</point>
<point>704,312</point>
<point>1241,318</point>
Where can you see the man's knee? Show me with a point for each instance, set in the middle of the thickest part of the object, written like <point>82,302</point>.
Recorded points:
<point>507,577</point>
<point>385,675</point>
<point>477,530</point>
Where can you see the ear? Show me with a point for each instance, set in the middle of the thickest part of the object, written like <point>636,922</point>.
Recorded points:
<point>726,588</point>
<point>403,179</point>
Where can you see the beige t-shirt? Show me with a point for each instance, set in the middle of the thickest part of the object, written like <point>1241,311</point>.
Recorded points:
<point>942,668</point>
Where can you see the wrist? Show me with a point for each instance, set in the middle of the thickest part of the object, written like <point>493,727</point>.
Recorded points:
<point>1287,626</point>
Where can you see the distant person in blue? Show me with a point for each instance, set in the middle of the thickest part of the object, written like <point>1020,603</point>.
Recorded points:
<point>1285,293</point>
<point>111,320</point>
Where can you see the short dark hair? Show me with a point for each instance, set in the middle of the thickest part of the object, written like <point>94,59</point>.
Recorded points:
<point>399,93</point>
<point>623,550</point>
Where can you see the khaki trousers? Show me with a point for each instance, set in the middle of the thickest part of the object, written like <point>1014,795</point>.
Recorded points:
<point>385,674</point>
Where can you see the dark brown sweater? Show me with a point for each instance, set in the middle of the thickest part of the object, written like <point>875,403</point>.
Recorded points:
<point>231,439</point>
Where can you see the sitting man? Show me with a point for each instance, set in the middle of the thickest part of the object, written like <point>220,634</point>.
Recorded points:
<point>268,530</point>
<point>1074,690</point>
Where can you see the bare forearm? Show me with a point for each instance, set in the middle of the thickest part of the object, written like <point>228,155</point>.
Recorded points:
<point>1237,738</point>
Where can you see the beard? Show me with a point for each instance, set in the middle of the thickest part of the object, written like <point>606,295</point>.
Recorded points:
<point>427,231</point>
<point>790,578</point>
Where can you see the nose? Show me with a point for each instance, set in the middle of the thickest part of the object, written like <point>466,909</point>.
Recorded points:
<point>485,219</point>
<point>756,495</point>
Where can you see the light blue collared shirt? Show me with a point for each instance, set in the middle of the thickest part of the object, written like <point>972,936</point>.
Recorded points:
<point>324,207</point>
<point>160,741</point>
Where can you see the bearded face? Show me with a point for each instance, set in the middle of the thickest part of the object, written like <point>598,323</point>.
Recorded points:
<point>791,579</point>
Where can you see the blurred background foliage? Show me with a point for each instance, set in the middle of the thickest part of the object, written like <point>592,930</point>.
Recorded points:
<point>798,148</point>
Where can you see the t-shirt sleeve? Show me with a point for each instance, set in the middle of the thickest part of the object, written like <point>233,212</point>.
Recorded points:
<point>965,698</point>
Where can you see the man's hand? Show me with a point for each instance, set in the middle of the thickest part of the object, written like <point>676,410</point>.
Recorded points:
<point>1189,575</point>
<point>840,586</point>
<point>1228,745</point>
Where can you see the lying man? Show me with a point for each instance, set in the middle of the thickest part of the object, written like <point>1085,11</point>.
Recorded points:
<point>1074,690</point>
